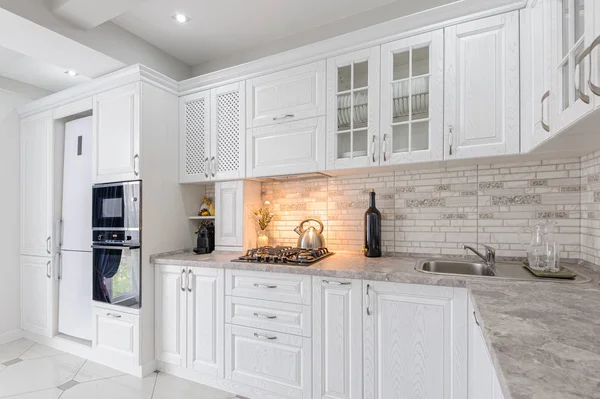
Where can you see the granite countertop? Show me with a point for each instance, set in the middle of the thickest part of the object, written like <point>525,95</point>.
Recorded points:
<point>544,337</point>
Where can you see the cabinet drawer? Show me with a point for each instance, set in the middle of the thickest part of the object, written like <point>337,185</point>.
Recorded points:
<point>288,148</point>
<point>282,317</point>
<point>293,94</point>
<point>278,287</point>
<point>116,335</point>
<point>275,362</point>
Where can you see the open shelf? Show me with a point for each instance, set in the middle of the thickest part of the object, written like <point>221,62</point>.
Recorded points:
<point>202,218</point>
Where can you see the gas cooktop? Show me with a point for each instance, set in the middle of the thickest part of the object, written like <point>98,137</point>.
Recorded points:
<point>284,255</point>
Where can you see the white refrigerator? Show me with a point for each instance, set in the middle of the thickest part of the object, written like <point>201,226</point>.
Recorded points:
<point>75,284</point>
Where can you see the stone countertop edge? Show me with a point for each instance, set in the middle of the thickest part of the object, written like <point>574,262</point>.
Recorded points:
<point>499,323</point>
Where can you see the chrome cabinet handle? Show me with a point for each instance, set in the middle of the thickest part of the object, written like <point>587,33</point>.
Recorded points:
<point>286,116</point>
<point>337,282</point>
<point>182,279</point>
<point>264,316</point>
<point>188,281</point>
<point>595,89</point>
<point>136,166</point>
<point>451,128</point>
<point>206,167</point>
<point>545,126</point>
<point>582,96</point>
<point>48,271</point>
<point>114,316</point>
<point>373,148</point>
<point>213,166</point>
<point>48,249</point>
<point>384,147</point>
<point>368,300</point>
<point>257,335</point>
<point>59,266</point>
<point>264,286</point>
<point>476,320</point>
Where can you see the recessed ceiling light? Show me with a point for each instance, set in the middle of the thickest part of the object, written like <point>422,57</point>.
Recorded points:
<point>181,18</point>
<point>71,72</point>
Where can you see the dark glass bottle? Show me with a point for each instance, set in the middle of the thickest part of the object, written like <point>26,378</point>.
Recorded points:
<point>372,246</point>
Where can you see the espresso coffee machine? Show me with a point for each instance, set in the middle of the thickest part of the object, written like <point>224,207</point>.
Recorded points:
<point>205,242</point>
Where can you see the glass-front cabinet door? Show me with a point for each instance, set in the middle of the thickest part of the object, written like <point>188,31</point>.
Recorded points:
<point>353,109</point>
<point>574,34</point>
<point>412,99</point>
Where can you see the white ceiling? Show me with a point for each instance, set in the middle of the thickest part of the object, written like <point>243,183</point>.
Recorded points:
<point>220,28</point>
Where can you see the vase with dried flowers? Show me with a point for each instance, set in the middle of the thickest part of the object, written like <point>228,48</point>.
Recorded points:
<point>262,218</point>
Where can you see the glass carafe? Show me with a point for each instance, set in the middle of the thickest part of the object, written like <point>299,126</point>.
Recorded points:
<point>541,247</point>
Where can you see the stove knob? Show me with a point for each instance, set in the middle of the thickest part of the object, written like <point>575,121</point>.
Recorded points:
<point>100,237</point>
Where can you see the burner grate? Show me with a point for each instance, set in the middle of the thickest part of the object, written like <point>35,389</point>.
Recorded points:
<point>284,255</point>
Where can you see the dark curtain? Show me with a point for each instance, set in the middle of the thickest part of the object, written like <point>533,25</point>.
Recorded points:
<point>106,265</point>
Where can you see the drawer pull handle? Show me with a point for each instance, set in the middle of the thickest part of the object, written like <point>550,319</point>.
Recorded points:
<point>337,282</point>
<point>264,286</point>
<point>114,316</point>
<point>368,300</point>
<point>265,316</point>
<point>476,320</point>
<point>286,116</point>
<point>257,335</point>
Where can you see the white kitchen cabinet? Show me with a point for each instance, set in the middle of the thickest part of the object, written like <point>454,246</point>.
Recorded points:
<point>117,116</point>
<point>37,295</point>
<point>415,341</point>
<point>287,148</point>
<point>481,108</point>
<point>285,96</point>
<point>190,306</point>
<point>538,99</point>
<point>213,134</point>
<point>412,99</point>
<point>116,336</point>
<point>353,109</point>
<point>594,81</point>
<point>276,362</point>
<point>337,338</point>
<point>573,34</point>
<point>483,381</point>
<point>234,200</point>
<point>171,314</point>
<point>37,185</point>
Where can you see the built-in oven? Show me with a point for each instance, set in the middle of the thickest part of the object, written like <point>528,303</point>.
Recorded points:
<point>117,244</point>
<point>116,206</point>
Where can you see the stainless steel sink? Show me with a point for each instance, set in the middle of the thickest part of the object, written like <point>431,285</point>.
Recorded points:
<point>502,270</point>
<point>457,267</point>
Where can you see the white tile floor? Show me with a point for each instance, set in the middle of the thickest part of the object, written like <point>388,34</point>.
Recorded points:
<point>34,371</point>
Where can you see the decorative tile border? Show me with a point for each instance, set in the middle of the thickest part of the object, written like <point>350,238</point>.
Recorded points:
<point>591,215</point>
<point>468,193</point>
<point>293,207</point>
<point>400,217</point>
<point>400,190</point>
<point>486,216</point>
<point>442,187</point>
<point>538,183</point>
<point>486,186</point>
<point>454,216</point>
<point>426,203</point>
<point>552,215</point>
<point>364,204</point>
<point>518,200</point>
<point>594,178</point>
<point>570,189</point>
<point>596,196</point>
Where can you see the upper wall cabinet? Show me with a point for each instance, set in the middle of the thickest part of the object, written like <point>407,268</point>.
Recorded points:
<point>482,88</point>
<point>594,82</point>
<point>37,182</point>
<point>116,155</point>
<point>292,94</point>
<point>353,109</point>
<point>412,99</point>
<point>573,35</point>
<point>213,135</point>
<point>538,99</point>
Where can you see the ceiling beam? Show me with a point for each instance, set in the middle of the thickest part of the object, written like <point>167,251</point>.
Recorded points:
<point>87,14</point>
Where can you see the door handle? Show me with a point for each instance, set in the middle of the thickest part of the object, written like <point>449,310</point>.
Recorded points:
<point>582,96</point>
<point>333,282</point>
<point>136,166</point>
<point>213,166</point>
<point>545,126</point>
<point>373,148</point>
<point>286,116</point>
<point>264,316</point>
<point>182,279</point>
<point>264,286</point>
<point>206,167</point>
<point>368,300</point>
<point>48,245</point>
<point>48,270</point>
<point>59,266</point>
<point>384,147</point>
<point>476,320</point>
<point>189,281</point>
<point>265,336</point>
<point>595,89</point>
<point>451,130</point>
<point>114,316</point>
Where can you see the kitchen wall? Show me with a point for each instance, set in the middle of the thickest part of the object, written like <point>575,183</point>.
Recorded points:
<point>435,211</point>
<point>10,317</point>
<point>590,208</point>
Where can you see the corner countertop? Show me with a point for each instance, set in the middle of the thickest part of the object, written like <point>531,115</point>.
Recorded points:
<point>543,337</point>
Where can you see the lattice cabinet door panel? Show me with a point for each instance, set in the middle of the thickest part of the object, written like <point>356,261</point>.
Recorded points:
<point>228,132</point>
<point>194,143</point>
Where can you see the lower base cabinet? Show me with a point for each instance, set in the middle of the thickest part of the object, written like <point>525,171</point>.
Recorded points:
<point>116,336</point>
<point>37,295</point>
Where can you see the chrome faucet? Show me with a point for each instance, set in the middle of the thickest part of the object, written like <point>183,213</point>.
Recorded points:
<point>490,255</point>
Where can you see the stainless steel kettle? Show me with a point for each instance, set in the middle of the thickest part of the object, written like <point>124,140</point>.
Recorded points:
<point>310,238</point>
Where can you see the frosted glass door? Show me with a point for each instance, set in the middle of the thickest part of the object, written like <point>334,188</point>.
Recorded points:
<point>352,120</point>
<point>412,99</point>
